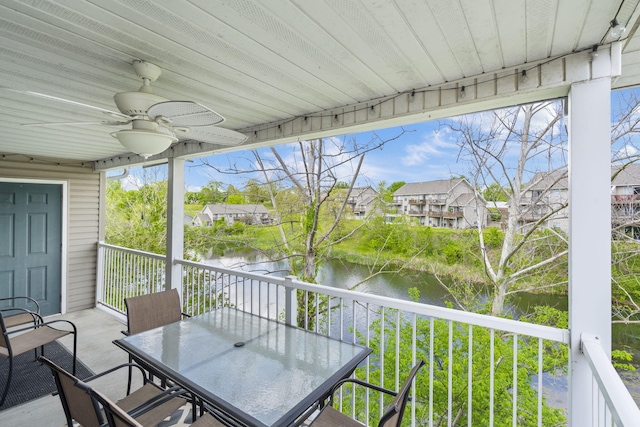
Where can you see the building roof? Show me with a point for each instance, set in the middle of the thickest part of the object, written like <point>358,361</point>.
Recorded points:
<point>224,209</point>
<point>359,191</point>
<point>628,175</point>
<point>546,180</point>
<point>441,186</point>
<point>463,199</point>
<point>203,217</point>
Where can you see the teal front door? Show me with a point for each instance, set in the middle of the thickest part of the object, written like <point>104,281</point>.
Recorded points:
<point>31,243</point>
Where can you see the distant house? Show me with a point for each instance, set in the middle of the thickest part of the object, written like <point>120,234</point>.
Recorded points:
<point>201,220</point>
<point>250,214</point>
<point>362,201</point>
<point>450,203</point>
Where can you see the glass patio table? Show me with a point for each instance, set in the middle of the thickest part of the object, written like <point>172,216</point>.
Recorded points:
<point>256,371</point>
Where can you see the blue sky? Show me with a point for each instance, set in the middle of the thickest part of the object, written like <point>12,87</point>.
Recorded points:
<point>420,154</point>
<point>425,152</point>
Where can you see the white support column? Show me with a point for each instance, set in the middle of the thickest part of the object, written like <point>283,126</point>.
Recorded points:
<point>589,235</point>
<point>175,223</point>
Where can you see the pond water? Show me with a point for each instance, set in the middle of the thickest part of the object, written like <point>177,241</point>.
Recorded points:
<point>352,276</point>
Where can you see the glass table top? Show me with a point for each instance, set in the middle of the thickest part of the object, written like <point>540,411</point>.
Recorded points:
<point>262,372</point>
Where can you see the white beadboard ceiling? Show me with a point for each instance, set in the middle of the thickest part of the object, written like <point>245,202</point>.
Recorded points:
<point>264,62</point>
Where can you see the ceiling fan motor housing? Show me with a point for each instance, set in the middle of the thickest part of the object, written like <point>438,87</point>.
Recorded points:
<point>136,103</point>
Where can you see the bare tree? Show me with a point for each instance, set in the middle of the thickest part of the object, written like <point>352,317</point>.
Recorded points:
<point>315,170</point>
<point>625,208</point>
<point>301,180</point>
<point>521,149</point>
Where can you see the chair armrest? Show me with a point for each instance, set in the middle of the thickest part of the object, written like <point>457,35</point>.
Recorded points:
<point>36,317</point>
<point>37,310</point>
<point>185,314</point>
<point>359,382</point>
<point>39,325</point>
<point>115,368</point>
<point>157,400</point>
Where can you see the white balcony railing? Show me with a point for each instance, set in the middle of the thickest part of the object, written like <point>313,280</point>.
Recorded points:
<point>481,370</point>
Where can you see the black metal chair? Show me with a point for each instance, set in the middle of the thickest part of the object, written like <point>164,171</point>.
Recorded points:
<point>147,406</point>
<point>392,416</point>
<point>150,311</point>
<point>27,338</point>
<point>15,315</point>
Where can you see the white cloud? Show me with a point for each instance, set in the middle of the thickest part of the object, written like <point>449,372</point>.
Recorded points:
<point>434,146</point>
<point>131,182</point>
<point>625,152</point>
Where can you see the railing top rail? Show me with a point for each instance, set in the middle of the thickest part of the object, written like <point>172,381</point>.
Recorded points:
<point>497,323</point>
<point>492,322</point>
<point>131,251</point>
<point>246,274</point>
<point>623,408</point>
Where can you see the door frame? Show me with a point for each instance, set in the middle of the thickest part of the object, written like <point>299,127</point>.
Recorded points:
<point>63,229</point>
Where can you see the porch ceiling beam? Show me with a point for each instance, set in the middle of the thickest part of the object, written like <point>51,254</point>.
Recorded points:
<point>544,80</point>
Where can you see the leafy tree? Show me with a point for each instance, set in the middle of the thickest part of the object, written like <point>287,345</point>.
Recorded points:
<point>212,193</point>
<point>495,193</point>
<point>137,218</point>
<point>255,192</point>
<point>451,365</point>
<point>392,188</point>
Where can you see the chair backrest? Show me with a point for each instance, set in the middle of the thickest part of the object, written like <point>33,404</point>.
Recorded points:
<point>116,417</point>
<point>392,416</point>
<point>77,403</point>
<point>4,338</point>
<point>150,311</point>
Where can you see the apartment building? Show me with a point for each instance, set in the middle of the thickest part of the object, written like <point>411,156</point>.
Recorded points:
<point>545,201</point>
<point>450,203</point>
<point>625,200</point>
<point>362,201</point>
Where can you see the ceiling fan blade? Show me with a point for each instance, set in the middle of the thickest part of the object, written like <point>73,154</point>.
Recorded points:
<point>112,123</point>
<point>214,135</point>
<point>185,114</point>
<point>66,101</point>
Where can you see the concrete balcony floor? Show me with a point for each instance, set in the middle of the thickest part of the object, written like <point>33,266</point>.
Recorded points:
<point>96,331</point>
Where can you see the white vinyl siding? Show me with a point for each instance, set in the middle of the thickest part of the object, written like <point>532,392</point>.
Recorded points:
<point>83,219</point>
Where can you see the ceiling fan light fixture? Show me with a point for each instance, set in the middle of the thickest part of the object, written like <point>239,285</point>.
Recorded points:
<point>144,142</point>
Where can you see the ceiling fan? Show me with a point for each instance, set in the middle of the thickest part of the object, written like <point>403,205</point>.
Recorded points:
<point>157,122</point>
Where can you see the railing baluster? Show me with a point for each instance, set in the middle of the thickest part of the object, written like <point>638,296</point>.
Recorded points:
<point>540,374</point>
<point>470,378</point>
<point>383,345</point>
<point>450,376</point>
<point>514,420</point>
<point>431,363</point>
<point>492,374</point>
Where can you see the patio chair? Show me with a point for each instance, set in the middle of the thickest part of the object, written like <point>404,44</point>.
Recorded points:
<point>392,416</point>
<point>26,338</point>
<point>150,311</point>
<point>16,316</point>
<point>147,406</point>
